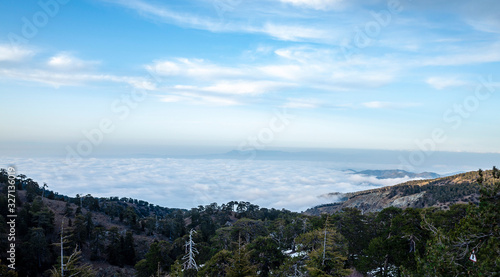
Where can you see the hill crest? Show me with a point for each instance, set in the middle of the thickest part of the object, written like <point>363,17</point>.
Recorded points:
<point>439,192</point>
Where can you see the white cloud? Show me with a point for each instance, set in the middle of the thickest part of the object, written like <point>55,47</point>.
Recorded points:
<point>202,81</point>
<point>388,105</point>
<point>294,33</point>
<point>465,56</point>
<point>198,99</point>
<point>215,100</point>
<point>220,92</point>
<point>171,98</point>
<point>316,4</point>
<point>362,78</point>
<point>62,69</point>
<point>244,87</point>
<point>297,103</point>
<point>58,79</point>
<point>322,69</point>
<point>363,179</point>
<point>293,67</point>
<point>304,55</point>
<point>444,82</point>
<point>285,71</point>
<point>194,68</point>
<point>14,53</point>
<point>65,61</point>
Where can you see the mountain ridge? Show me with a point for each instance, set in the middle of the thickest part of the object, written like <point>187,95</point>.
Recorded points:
<point>439,192</point>
<point>397,173</point>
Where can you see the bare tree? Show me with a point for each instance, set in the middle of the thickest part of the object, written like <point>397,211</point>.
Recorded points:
<point>190,263</point>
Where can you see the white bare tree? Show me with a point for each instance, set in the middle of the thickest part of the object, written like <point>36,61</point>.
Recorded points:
<point>189,262</point>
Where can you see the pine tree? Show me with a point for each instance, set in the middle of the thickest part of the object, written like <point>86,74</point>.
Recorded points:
<point>157,255</point>
<point>73,266</point>
<point>218,265</point>
<point>89,225</point>
<point>97,246</point>
<point>292,267</point>
<point>5,271</point>
<point>38,246</point>
<point>448,253</point>
<point>113,250</point>
<point>80,231</point>
<point>265,253</point>
<point>128,249</point>
<point>241,266</point>
<point>176,269</point>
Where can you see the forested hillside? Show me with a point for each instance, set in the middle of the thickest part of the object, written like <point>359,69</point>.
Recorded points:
<point>129,237</point>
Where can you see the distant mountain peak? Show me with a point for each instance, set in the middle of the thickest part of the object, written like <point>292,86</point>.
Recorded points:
<point>397,173</point>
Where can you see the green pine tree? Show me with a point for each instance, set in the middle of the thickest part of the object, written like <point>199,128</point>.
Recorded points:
<point>218,265</point>
<point>73,266</point>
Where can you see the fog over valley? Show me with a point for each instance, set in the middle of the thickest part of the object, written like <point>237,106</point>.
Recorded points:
<point>294,184</point>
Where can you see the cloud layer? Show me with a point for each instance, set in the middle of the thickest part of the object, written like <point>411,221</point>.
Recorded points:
<point>186,183</point>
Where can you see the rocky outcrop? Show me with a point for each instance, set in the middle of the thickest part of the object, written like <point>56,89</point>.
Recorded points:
<point>373,201</point>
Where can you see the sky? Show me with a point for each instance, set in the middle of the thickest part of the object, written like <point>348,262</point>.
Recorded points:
<point>100,76</point>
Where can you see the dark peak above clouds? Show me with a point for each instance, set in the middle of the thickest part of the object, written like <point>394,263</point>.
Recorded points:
<point>397,173</point>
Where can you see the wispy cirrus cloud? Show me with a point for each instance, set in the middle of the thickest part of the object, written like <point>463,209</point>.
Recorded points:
<point>167,15</point>
<point>325,71</point>
<point>278,30</point>
<point>59,79</point>
<point>314,67</point>
<point>287,68</point>
<point>458,56</point>
<point>64,69</point>
<point>317,67</point>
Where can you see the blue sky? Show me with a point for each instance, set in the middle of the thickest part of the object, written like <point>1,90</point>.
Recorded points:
<point>183,74</point>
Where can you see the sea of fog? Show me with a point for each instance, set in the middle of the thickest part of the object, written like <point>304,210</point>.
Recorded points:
<point>186,183</point>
